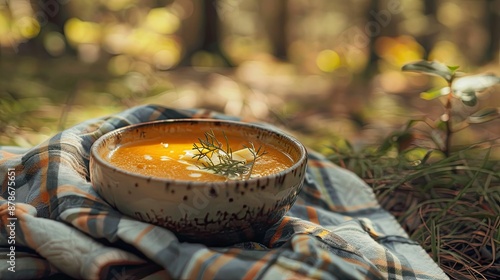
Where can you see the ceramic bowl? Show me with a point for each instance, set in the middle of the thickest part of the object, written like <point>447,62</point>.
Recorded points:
<point>213,213</point>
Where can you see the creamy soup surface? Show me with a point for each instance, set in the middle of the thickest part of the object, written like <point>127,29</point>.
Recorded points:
<point>173,158</point>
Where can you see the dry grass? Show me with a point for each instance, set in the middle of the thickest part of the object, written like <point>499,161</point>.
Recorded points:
<point>450,206</point>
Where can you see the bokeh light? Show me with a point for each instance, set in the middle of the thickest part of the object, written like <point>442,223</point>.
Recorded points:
<point>447,52</point>
<point>328,60</point>
<point>27,26</point>
<point>82,32</point>
<point>162,21</point>
<point>54,43</point>
<point>399,51</point>
<point>450,14</point>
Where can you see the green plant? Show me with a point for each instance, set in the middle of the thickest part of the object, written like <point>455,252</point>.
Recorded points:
<point>464,88</point>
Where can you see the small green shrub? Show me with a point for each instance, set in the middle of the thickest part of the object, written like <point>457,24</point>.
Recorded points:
<point>464,88</point>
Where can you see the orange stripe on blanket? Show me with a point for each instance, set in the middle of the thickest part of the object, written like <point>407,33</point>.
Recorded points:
<point>6,155</point>
<point>75,190</point>
<point>198,264</point>
<point>312,214</point>
<point>4,213</point>
<point>361,264</point>
<point>82,218</point>
<point>41,168</point>
<point>279,231</point>
<point>81,222</point>
<point>254,270</point>
<point>20,209</point>
<point>143,233</point>
<point>22,213</point>
<point>316,193</point>
<point>216,265</point>
<point>44,197</point>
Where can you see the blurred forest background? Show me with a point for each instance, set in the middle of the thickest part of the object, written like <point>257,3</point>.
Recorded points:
<point>326,68</point>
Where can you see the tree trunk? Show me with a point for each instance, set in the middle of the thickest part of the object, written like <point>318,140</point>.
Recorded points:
<point>492,23</point>
<point>427,41</point>
<point>210,34</point>
<point>371,22</point>
<point>275,15</point>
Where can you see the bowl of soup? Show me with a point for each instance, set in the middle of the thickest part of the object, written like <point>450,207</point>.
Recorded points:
<point>215,182</point>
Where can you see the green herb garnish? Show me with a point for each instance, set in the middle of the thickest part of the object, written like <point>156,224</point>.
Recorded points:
<point>220,160</point>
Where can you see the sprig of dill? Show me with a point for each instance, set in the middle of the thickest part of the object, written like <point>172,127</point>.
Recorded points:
<point>256,154</point>
<point>227,165</point>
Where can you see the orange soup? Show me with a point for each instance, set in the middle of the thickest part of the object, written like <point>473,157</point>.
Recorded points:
<point>175,158</point>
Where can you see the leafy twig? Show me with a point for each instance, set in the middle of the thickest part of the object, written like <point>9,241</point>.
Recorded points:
<point>462,88</point>
<point>220,161</point>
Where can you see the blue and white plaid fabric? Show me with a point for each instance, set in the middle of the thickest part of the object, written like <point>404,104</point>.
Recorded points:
<point>60,225</point>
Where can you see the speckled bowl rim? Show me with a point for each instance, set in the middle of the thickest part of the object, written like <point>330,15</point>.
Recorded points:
<point>95,155</point>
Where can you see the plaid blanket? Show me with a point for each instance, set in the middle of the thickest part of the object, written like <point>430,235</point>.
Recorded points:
<point>53,224</point>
